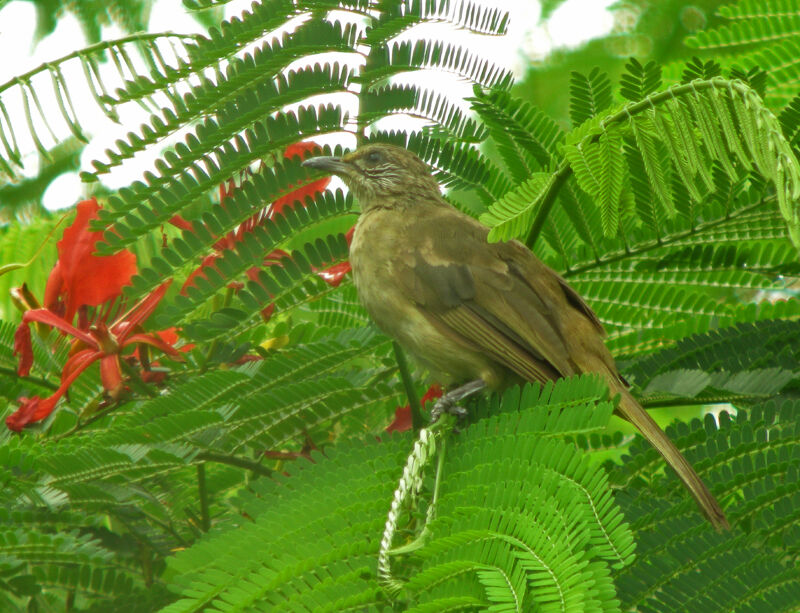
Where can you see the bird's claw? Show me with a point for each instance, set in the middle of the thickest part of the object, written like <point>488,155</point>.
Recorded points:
<point>448,406</point>
<point>449,403</point>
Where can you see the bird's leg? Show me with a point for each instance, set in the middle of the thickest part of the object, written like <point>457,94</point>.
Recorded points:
<point>449,402</point>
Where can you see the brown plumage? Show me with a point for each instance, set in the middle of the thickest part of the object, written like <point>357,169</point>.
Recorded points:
<point>468,309</point>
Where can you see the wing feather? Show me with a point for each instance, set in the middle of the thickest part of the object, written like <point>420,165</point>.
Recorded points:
<point>502,300</point>
<point>469,324</point>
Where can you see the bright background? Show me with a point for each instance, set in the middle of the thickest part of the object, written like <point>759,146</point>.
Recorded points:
<point>527,41</point>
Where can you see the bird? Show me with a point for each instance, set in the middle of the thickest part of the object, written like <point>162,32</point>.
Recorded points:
<point>475,313</point>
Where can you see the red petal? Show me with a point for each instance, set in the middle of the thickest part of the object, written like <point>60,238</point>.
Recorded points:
<point>54,289</point>
<point>301,149</point>
<point>49,318</point>
<point>90,279</point>
<point>402,415</point>
<point>227,242</point>
<point>402,420</point>
<point>139,313</point>
<point>333,275</point>
<point>111,375</point>
<point>31,410</point>
<point>434,391</point>
<point>207,262</point>
<point>77,363</point>
<point>24,349</point>
<point>227,188</point>
<point>274,257</point>
<point>170,337</point>
<point>266,313</point>
<point>181,223</point>
<point>36,409</point>
<point>154,341</point>
<point>299,195</point>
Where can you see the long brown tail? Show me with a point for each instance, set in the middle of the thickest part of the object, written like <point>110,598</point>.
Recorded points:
<point>631,410</point>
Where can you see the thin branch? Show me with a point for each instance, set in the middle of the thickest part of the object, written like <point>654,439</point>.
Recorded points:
<point>408,384</point>
<point>548,199</point>
<point>238,461</point>
<point>11,372</point>
<point>664,241</point>
<point>202,493</point>
<point>101,46</point>
<point>663,403</point>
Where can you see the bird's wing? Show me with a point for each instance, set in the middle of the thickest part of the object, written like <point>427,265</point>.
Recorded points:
<point>498,298</point>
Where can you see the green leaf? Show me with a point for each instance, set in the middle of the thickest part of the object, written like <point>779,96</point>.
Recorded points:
<point>589,95</point>
<point>512,215</point>
<point>599,168</point>
<point>639,81</point>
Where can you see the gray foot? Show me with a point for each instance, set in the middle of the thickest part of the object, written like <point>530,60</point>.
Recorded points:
<point>449,403</point>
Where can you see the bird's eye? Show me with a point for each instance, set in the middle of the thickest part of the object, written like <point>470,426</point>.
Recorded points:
<point>374,157</point>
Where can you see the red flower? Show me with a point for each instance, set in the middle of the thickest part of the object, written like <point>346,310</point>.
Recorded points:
<point>34,409</point>
<point>102,342</point>
<point>141,355</point>
<point>227,189</point>
<point>81,278</point>
<point>78,280</point>
<point>332,275</point>
<point>402,415</point>
<point>299,195</point>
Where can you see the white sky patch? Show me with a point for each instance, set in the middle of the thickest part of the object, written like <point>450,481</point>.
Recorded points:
<point>575,22</point>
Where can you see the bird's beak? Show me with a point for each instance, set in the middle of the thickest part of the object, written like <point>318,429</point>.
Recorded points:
<point>333,165</point>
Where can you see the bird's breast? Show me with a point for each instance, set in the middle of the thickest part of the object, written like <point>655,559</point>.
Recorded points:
<point>378,249</point>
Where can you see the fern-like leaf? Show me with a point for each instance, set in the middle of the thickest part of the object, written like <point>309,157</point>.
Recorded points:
<point>589,95</point>
<point>639,81</point>
<point>599,169</point>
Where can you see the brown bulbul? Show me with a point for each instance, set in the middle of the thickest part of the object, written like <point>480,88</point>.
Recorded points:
<point>470,310</point>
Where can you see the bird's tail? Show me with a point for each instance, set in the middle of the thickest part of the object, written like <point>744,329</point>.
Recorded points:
<point>631,410</point>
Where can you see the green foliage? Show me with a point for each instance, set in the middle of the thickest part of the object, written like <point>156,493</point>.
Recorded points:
<point>510,535</point>
<point>671,206</point>
<point>22,200</point>
<point>761,35</point>
<point>749,569</point>
<point>512,214</point>
<point>645,30</point>
<point>130,15</point>
<point>652,168</point>
<point>589,95</point>
<point>599,171</point>
<point>41,128</point>
<point>790,122</point>
<point>639,81</point>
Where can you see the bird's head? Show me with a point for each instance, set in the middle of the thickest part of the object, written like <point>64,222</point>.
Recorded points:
<point>380,174</point>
